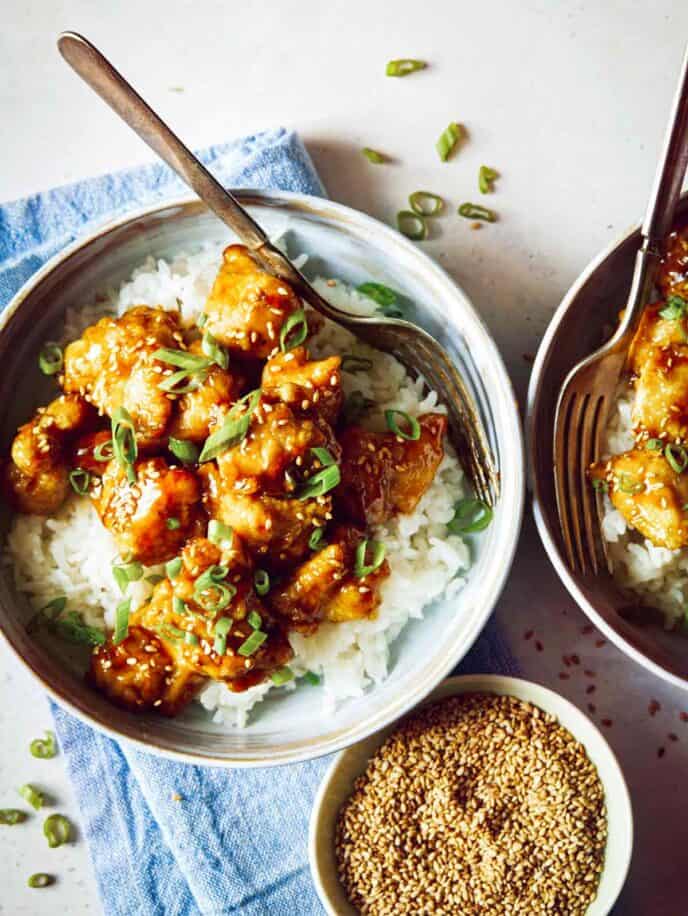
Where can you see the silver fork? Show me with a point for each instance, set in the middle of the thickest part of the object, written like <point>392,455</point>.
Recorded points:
<point>587,394</point>
<point>414,347</point>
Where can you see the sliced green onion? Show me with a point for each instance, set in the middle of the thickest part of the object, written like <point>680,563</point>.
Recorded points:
<point>356,363</point>
<point>72,628</point>
<point>32,795</point>
<point>124,573</point>
<point>378,292</point>
<point>601,485</point>
<point>377,549</point>
<point>356,405</point>
<point>186,452</point>
<point>476,211</point>
<point>80,481</point>
<point>122,621</point>
<point>211,580</point>
<point>173,567</point>
<point>412,225</point>
<point>486,176</point>
<point>677,457</point>
<point>214,351</point>
<point>675,308</point>
<point>261,582</point>
<point>252,643</point>
<point>222,628</point>
<point>654,445</point>
<point>57,830</point>
<point>233,429</point>
<point>173,384</point>
<point>321,482</point>
<point>211,576</point>
<point>173,524</point>
<point>424,203</point>
<point>12,816</point>
<point>202,319</point>
<point>154,578</point>
<point>183,360</point>
<point>282,676</point>
<point>413,433</point>
<point>219,533</point>
<point>44,748</point>
<point>172,632</point>
<point>448,139</point>
<point>48,613</point>
<point>627,483</point>
<point>373,156</point>
<point>470,516</point>
<point>403,66</point>
<point>294,331</point>
<point>178,605</point>
<point>51,358</point>
<point>315,541</point>
<point>312,678</point>
<point>323,456</point>
<point>191,639</point>
<point>105,451</point>
<point>124,441</point>
<point>40,879</point>
<point>255,620</point>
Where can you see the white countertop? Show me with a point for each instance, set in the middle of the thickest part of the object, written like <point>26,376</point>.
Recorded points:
<point>566,99</point>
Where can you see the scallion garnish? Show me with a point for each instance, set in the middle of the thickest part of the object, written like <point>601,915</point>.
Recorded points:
<point>57,830</point>
<point>356,405</point>
<point>294,331</point>
<point>413,432</point>
<point>448,139</point>
<point>44,748</point>
<point>214,351</point>
<point>124,573</point>
<point>654,445</point>
<point>486,176</point>
<point>601,485</point>
<point>373,156</point>
<point>211,580</point>
<point>222,628</point>
<point>121,621</point>
<point>412,225</point>
<point>675,308</point>
<point>124,441</point>
<point>174,384</point>
<point>40,879</point>
<point>356,363</point>
<point>324,480</point>
<point>323,456</point>
<point>191,639</point>
<point>154,578</point>
<point>282,676</point>
<point>677,457</point>
<point>202,319</point>
<point>424,203</point>
<point>378,292</point>
<point>178,605</point>
<point>183,360</point>
<point>11,816</point>
<point>233,429</point>
<point>315,541</point>
<point>80,481</point>
<point>312,678</point>
<point>173,524</point>
<point>48,613</point>
<point>403,66</point>
<point>377,555</point>
<point>171,632</point>
<point>173,567</point>
<point>51,358</point>
<point>219,533</point>
<point>476,211</point>
<point>627,483</point>
<point>255,620</point>
<point>72,628</point>
<point>32,795</point>
<point>252,643</point>
<point>187,452</point>
<point>104,452</point>
<point>470,516</point>
<point>261,582</point>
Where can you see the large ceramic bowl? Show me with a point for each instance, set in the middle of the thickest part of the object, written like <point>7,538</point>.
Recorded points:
<point>342,243</point>
<point>579,325</point>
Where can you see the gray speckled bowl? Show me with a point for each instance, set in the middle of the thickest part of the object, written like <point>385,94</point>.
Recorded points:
<point>342,243</point>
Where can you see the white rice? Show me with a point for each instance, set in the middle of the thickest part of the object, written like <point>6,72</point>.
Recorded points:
<point>656,576</point>
<point>71,553</point>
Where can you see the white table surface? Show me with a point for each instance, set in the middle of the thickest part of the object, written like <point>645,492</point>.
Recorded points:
<point>567,99</point>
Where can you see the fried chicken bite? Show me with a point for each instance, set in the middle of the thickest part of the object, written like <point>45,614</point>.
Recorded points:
<point>312,388</point>
<point>152,517</point>
<point>247,307</point>
<point>672,277</point>
<point>383,473</point>
<point>649,493</point>
<point>37,475</point>
<point>112,366</point>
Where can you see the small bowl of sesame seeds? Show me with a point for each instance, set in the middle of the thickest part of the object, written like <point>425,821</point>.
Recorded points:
<point>494,796</point>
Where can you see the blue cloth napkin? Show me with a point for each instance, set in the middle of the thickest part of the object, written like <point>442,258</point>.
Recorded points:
<point>236,841</point>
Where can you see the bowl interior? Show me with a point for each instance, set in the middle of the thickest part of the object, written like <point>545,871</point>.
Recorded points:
<point>584,319</point>
<point>338,782</point>
<point>340,243</point>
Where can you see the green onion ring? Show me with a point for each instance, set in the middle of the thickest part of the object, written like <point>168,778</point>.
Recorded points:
<point>173,567</point>
<point>12,816</point>
<point>627,483</point>
<point>80,481</point>
<point>413,434</point>
<point>51,358</point>
<point>486,176</point>
<point>172,384</point>
<point>124,573</point>
<point>173,524</point>
<point>282,676</point>
<point>675,308</point>
<point>403,66</point>
<point>44,748</point>
<point>234,428</point>
<point>362,569</point>
<point>470,516</point>
<point>677,457</point>
<point>40,879</point>
<point>187,452</point>
<point>323,456</point>
<point>312,678</point>
<point>412,225</point>
<point>373,156</point>
<point>296,328</point>
<point>121,621</point>
<point>316,540</point>
<point>32,795</point>
<point>252,643</point>
<point>321,482</point>
<point>476,211</point>
<point>356,363</point>
<point>254,620</point>
<point>654,445</point>
<point>219,533</point>
<point>448,139</point>
<point>214,351</point>
<point>222,628</point>
<point>57,830</point>
<point>124,441</point>
<point>105,451</point>
<point>183,359</point>
<point>261,582</point>
<point>424,203</point>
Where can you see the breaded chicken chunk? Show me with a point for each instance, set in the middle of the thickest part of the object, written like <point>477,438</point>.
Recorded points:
<point>312,388</point>
<point>672,277</point>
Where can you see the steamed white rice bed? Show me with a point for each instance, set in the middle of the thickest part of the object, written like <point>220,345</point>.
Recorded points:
<point>71,553</point>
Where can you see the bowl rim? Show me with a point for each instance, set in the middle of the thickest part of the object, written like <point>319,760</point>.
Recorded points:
<point>511,429</point>
<point>502,685</point>
<point>547,536</point>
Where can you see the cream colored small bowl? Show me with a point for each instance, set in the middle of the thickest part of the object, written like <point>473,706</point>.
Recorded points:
<point>338,782</point>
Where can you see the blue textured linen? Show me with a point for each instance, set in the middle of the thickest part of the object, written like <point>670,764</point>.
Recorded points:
<point>236,842</point>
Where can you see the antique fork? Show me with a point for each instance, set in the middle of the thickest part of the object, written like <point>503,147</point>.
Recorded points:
<point>414,347</point>
<point>588,392</point>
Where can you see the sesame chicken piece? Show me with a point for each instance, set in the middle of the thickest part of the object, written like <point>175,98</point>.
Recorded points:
<point>310,387</point>
<point>672,277</point>
<point>152,517</point>
<point>112,366</point>
<point>37,475</point>
<point>84,451</point>
<point>649,494</point>
<point>247,307</point>
<point>383,474</point>
<point>196,413</point>
<point>325,586</point>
